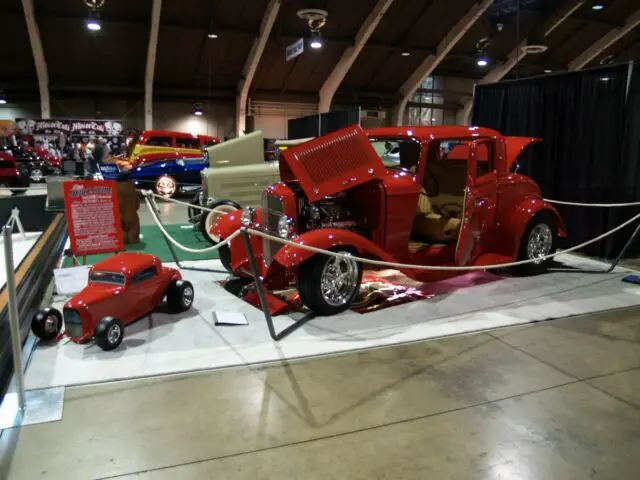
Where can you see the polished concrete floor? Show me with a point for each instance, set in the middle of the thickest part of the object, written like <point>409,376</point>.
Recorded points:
<point>554,400</point>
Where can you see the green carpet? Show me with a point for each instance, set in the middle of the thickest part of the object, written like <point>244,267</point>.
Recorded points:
<point>152,241</point>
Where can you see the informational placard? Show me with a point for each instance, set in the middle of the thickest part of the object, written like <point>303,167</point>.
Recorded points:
<point>295,49</point>
<point>93,216</point>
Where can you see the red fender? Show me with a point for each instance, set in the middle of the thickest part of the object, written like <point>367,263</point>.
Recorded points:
<point>522,215</point>
<point>229,223</point>
<point>326,239</point>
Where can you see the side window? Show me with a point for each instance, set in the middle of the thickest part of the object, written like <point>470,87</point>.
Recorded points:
<point>144,275</point>
<point>159,141</point>
<point>188,142</point>
<point>484,158</point>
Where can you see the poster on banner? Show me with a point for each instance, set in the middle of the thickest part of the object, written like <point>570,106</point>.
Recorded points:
<point>93,216</point>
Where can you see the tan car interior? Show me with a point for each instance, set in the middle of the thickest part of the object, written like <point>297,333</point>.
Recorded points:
<point>439,215</point>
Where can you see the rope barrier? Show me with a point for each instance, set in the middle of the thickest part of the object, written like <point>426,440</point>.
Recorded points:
<point>597,205</point>
<point>436,267</point>
<point>251,231</point>
<point>178,244</point>
<point>167,199</point>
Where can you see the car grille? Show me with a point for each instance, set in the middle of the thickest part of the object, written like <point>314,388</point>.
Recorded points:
<point>273,209</point>
<point>72,323</point>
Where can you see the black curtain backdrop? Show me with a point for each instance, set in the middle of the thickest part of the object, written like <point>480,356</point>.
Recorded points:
<point>590,123</point>
<point>305,127</point>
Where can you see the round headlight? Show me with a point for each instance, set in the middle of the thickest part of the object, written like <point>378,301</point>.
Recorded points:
<point>285,227</point>
<point>248,216</point>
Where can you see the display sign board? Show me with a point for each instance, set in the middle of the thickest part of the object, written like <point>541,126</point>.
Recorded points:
<point>295,49</point>
<point>105,128</point>
<point>93,216</point>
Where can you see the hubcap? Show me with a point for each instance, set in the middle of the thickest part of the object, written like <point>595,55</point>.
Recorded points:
<point>540,242</point>
<point>187,296</point>
<point>36,175</point>
<point>166,186</point>
<point>50,323</point>
<point>113,334</point>
<point>214,215</point>
<point>338,281</point>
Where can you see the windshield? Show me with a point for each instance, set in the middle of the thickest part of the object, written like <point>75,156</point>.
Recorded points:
<point>403,153</point>
<point>106,277</point>
<point>131,146</point>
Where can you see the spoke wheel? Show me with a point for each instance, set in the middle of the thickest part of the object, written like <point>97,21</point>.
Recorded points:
<point>538,241</point>
<point>166,186</point>
<point>328,285</point>
<point>36,175</point>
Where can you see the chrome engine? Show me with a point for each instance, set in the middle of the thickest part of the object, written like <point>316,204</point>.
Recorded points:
<point>330,212</point>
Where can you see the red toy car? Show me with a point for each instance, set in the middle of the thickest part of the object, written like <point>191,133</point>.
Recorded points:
<point>121,289</point>
<point>418,195</point>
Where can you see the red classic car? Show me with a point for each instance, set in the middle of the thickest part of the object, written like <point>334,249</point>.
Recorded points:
<point>449,197</point>
<point>121,289</point>
<point>13,175</point>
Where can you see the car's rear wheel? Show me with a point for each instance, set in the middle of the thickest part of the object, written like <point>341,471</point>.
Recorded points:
<point>47,323</point>
<point>109,333</point>
<point>166,186</point>
<point>224,253</point>
<point>180,296</point>
<point>328,285</point>
<point>218,209</point>
<point>37,174</point>
<point>538,241</point>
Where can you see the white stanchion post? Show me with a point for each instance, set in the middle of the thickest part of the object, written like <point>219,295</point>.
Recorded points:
<point>14,324</point>
<point>15,214</point>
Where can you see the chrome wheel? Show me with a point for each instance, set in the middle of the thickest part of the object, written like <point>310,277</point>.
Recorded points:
<point>166,186</point>
<point>338,281</point>
<point>36,175</point>
<point>187,297</point>
<point>540,242</point>
<point>113,334</point>
<point>51,324</point>
<point>213,216</point>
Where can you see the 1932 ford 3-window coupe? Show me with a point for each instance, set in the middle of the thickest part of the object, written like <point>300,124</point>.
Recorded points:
<point>450,199</point>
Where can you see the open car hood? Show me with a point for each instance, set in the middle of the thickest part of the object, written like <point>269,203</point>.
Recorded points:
<point>514,146</point>
<point>332,163</point>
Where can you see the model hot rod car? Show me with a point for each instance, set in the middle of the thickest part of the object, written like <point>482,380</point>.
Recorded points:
<point>121,289</point>
<point>451,200</point>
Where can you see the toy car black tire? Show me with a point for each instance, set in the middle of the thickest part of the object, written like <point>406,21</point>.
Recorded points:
<point>109,333</point>
<point>204,217</point>
<point>528,269</point>
<point>180,296</point>
<point>310,279</point>
<point>47,323</point>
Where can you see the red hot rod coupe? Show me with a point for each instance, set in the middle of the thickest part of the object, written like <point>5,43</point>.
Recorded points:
<point>448,198</point>
<point>121,289</point>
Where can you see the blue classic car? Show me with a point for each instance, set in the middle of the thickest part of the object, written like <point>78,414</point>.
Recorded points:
<point>167,177</point>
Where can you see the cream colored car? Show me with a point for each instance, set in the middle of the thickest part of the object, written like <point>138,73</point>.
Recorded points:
<point>236,177</point>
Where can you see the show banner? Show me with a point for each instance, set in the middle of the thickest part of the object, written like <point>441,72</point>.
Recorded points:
<point>105,128</point>
<point>93,216</point>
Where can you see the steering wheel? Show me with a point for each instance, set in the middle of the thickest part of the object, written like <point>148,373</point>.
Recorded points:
<point>451,210</point>
<point>434,188</point>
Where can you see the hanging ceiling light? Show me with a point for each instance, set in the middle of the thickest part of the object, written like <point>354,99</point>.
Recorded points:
<point>93,20</point>
<point>596,7</point>
<point>198,110</point>
<point>212,35</point>
<point>3,99</point>
<point>405,53</point>
<point>316,19</point>
<point>482,61</point>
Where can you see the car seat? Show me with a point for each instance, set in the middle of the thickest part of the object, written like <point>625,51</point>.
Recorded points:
<point>432,225</point>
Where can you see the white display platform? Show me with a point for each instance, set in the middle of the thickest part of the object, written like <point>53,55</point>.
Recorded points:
<point>168,343</point>
<point>21,248</point>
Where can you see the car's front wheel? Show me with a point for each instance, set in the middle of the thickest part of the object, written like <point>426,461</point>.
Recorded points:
<point>180,296</point>
<point>166,186</point>
<point>218,209</point>
<point>47,323</point>
<point>328,285</point>
<point>109,333</point>
<point>538,241</point>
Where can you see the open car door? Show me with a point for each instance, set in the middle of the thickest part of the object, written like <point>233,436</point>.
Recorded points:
<point>332,163</point>
<point>478,216</point>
